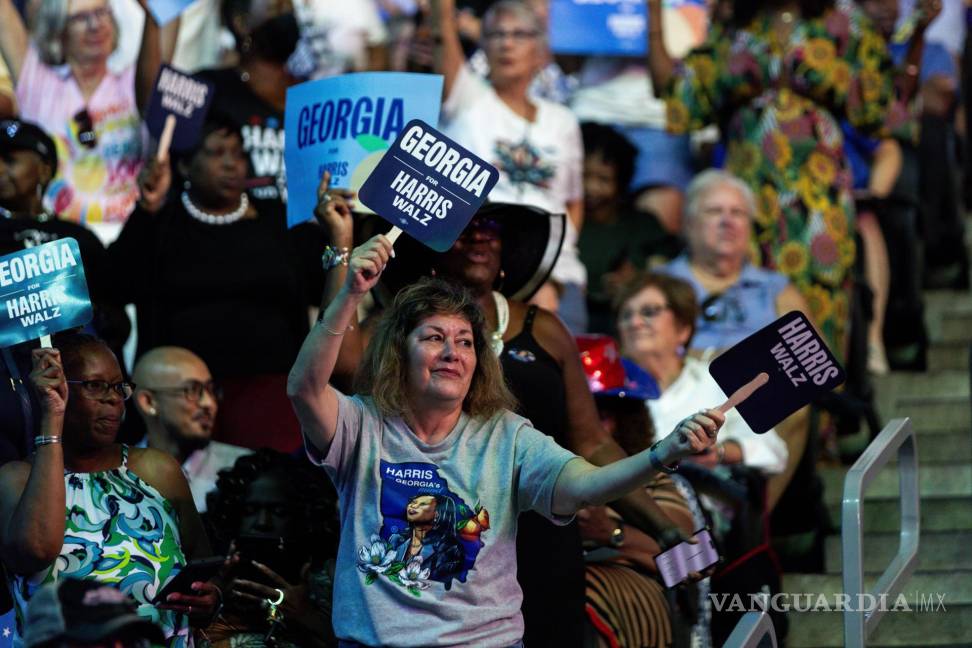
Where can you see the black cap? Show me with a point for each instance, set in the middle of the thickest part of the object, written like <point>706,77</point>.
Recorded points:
<point>19,135</point>
<point>84,611</point>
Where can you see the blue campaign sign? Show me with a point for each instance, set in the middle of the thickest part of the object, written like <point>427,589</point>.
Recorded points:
<point>42,291</point>
<point>428,186</point>
<point>619,27</point>
<point>797,360</point>
<point>187,98</point>
<point>344,125</point>
<point>165,11</point>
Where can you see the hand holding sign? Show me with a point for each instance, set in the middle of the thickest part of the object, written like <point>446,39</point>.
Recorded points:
<point>48,380</point>
<point>798,365</point>
<point>694,434</point>
<point>367,263</point>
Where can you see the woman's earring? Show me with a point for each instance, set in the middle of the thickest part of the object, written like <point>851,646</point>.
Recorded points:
<point>432,272</point>
<point>501,279</point>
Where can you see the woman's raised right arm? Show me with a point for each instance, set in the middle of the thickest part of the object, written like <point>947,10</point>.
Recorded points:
<point>13,38</point>
<point>32,516</point>
<point>661,66</point>
<point>314,400</point>
<point>450,57</point>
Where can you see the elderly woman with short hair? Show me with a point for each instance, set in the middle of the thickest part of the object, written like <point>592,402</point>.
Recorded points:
<point>536,144</point>
<point>736,298</point>
<point>64,82</point>
<point>431,419</point>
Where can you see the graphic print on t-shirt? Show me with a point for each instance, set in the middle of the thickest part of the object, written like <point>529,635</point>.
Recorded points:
<point>428,533</point>
<point>263,143</point>
<point>523,163</point>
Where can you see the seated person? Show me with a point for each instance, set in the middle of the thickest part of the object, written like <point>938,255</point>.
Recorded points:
<point>276,510</point>
<point>178,402</point>
<point>84,505</point>
<point>656,323</point>
<point>617,241</point>
<point>72,612</point>
<point>736,298</point>
<point>626,602</point>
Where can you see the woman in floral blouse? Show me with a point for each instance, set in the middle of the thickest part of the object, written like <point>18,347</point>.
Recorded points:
<point>777,77</point>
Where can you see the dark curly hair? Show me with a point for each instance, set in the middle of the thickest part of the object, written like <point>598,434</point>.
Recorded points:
<point>308,487</point>
<point>614,148</point>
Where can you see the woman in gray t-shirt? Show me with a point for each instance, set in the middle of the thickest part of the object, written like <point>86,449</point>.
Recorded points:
<point>432,468</point>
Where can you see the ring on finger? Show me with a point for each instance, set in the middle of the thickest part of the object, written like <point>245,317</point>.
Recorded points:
<point>324,199</point>
<point>280,598</point>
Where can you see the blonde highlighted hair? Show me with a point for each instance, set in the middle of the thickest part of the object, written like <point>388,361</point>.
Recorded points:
<point>384,371</point>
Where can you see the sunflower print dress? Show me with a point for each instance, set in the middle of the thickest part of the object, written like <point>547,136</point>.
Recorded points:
<point>779,105</point>
<point>119,531</point>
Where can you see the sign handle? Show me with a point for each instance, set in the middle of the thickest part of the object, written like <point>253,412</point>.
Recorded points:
<point>744,392</point>
<point>45,342</point>
<point>165,140</point>
<point>393,234</point>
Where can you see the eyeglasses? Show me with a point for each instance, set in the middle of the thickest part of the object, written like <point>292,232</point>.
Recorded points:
<point>86,132</point>
<point>487,227</point>
<point>99,389</point>
<point>92,18</point>
<point>192,390</point>
<point>517,35</point>
<point>647,311</point>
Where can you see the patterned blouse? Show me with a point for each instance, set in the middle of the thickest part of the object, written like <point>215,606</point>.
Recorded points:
<point>119,531</point>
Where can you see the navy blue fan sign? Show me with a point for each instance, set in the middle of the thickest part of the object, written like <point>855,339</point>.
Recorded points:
<point>428,185</point>
<point>183,99</point>
<point>796,359</point>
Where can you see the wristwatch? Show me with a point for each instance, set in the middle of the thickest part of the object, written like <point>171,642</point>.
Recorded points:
<point>617,536</point>
<point>335,256</point>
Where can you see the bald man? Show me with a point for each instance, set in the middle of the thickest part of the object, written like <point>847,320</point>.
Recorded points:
<point>176,398</point>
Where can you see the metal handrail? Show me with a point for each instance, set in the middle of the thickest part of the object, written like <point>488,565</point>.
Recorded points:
<point>896,437</point>
<point>754,630</point>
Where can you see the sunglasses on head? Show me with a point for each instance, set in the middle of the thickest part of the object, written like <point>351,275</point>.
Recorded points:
<point>86,131</point>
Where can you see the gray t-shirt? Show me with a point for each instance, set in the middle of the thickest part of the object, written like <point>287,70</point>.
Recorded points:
<point>428,551</point>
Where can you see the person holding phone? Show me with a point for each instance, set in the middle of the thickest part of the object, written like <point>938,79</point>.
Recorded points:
<point>276,517</point>
<point>85,506</point>
<point>431,415</point>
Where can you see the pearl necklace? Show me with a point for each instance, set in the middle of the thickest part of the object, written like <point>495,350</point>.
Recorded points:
<point>216,219</point>
<point>502,321</point>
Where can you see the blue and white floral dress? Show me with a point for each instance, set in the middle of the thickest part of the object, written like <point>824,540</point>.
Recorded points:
<point>120,531</point>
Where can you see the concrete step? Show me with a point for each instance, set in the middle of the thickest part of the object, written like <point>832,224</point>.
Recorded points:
<point>884,516</point>
<point>949,628</point>
<point>929,412</point>
<point>956,326</point>
<point>939,480</point>
<point>948,356</point>
<point>938,447</point>
<point>938,550</point>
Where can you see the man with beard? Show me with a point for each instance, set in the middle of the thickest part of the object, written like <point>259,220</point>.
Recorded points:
<point>177,399</point>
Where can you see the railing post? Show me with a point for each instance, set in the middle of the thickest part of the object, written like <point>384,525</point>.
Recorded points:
<point>897,438</point>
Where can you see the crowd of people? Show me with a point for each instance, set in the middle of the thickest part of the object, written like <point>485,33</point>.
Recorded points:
<point>385,445</point>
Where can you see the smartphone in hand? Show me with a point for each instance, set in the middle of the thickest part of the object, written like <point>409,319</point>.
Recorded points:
<point>677,563</point>
<point>197,570</point>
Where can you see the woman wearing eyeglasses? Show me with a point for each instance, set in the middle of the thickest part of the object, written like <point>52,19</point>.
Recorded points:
<point>656,323</point>
<point>535,144</point>
<point>64,83</point>
<point>84,506</point>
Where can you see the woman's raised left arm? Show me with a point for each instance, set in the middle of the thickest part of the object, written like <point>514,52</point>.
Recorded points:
<point>582,484</point>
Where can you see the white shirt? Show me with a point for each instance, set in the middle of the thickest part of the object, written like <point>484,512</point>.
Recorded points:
<point>202,468</point>
<point>339,33</point>
<point>695,389</point>
<point>540,161</point>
